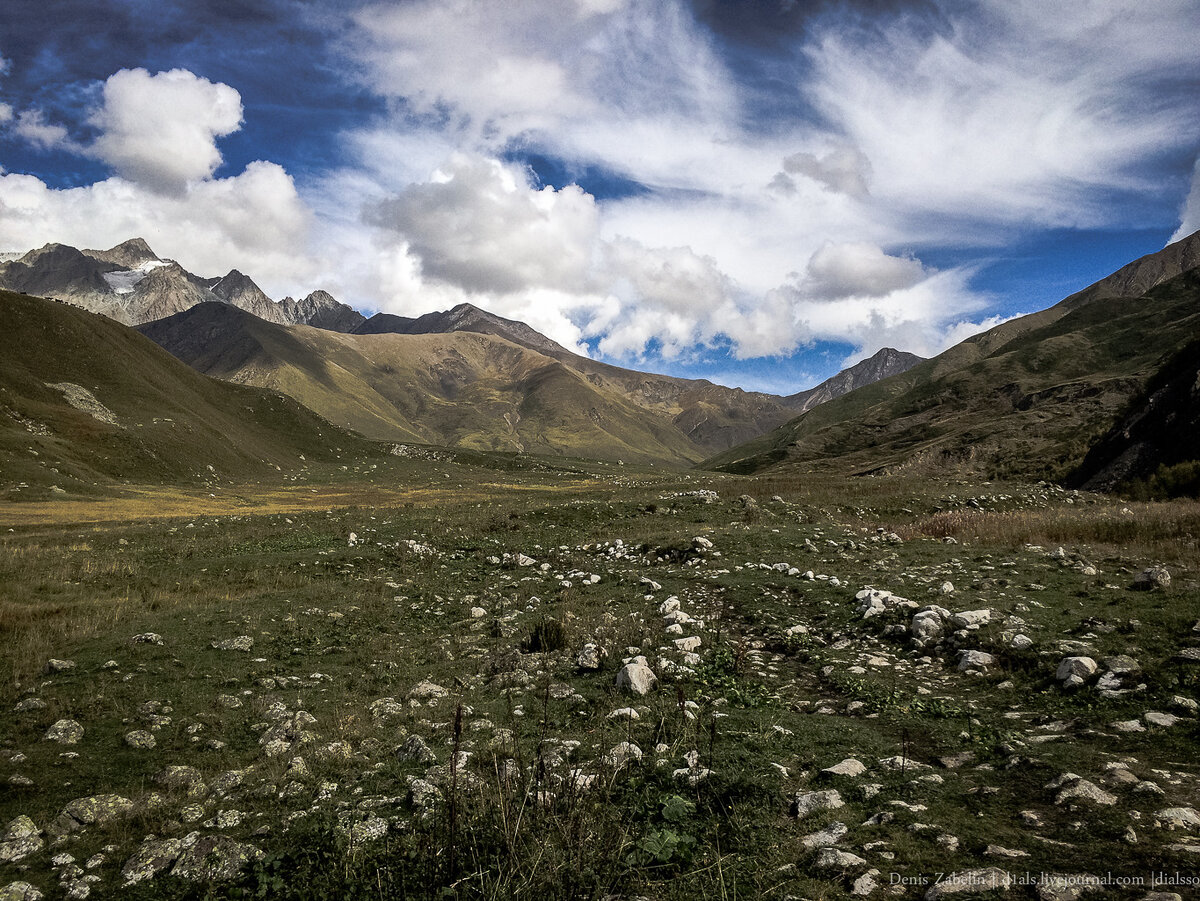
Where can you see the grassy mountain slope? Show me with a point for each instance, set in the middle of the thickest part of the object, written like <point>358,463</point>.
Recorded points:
<point>463,388</point>
<point>85,401</point>
<point>1028,397</point>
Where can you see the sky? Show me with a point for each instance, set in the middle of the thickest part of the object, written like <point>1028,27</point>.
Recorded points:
<point>758,192</point>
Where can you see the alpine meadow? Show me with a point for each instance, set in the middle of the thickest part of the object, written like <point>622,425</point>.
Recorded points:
<point>722,449</point>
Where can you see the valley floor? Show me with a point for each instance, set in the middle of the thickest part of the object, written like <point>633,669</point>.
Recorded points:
<point>421,678</point>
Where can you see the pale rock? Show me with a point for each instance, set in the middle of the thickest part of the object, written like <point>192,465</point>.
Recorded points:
<point>65,732</point>
<point>805,804</point>
<point>848,767</point>
<point>1178,818</point>
<point>241,643</point>
<point>154,856</point>
<point>835,859</point>
<point>622,755</point>
<point>140,739</point>
<point>830,835</point>
<point>1075,671</point>
<point>20,839</point>
<point>591,657</point>
<point>213,858</point>
<point>636,678</point>
<point>20,891</point>
<point>971,619</point>
<point>1152,577</point>
<point>1160,720</point>
<point>977,660</point>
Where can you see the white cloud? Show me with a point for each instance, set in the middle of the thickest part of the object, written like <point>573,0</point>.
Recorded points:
<point>33,127</point>
<point>1189,214</point>
<point>1004,116</point>
<point>481,225</point>
<point>6,113</point>
<point>255,222</point>
<point>843,270</point>
<point>843,169</point>
<point>160,130</point>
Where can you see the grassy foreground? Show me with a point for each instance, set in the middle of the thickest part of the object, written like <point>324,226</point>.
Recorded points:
<point>400,709</point>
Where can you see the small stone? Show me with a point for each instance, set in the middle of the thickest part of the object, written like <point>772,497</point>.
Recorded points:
<point>20,839</point>
<point>154,856</point>
<point>1178,818</point>
<point>1151,578</point>
<point>213,858</point>
<point>140,739</point>
<point>20,891</point>
<point>54,665</point>
<point>147,638</point>
<point>830,835</point>
<point>622,755</point>
<point>970,882</point>
<point>834,859</point>
<point>241,643</point>
<point>636,678</point>
<point>65,732</point>
<point>591,657</point>
<point>1075,671</point>
<point>848,767</point>
<point>1161,720</point>
<point>977,660</point>
<point>807,803</point>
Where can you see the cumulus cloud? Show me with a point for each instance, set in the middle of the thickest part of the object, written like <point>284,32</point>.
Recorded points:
<point>254,221</point>
<point>481,225</point>
<point>844,270</point>
<point>1189,215</point>
<point>160,131</point>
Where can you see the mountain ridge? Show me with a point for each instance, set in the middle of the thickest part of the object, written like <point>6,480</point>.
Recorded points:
<point>117,283</point>
<point>1027,398</point>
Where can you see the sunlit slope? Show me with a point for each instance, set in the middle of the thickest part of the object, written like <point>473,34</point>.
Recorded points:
<point>462,388</point>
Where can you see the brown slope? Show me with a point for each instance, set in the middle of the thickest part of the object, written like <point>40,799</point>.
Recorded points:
<point>462,389</point>
<point>85,400</point>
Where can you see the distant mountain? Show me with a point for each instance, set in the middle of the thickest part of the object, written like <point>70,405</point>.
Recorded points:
<point>471,389</point>
<point>1028,398</point>
<point>87,401</point>
<point>886,362</point>
<point>131,284</point>
<point>463,318</point>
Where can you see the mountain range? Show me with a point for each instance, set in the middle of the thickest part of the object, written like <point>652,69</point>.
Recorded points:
<point>1093,391</point>
<point>463,377</point>
<point>129,283</point>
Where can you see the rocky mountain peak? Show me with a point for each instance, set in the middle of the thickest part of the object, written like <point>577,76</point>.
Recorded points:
<point>128,254</point>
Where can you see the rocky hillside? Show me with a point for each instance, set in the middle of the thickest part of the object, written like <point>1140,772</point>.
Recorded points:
<point>1029,397</point>
<point>132,285</point>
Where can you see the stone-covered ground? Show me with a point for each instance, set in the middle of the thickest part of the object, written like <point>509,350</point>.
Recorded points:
<point>596,682</point>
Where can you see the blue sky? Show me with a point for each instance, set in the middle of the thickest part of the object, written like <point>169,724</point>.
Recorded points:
<point>755,191</point>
